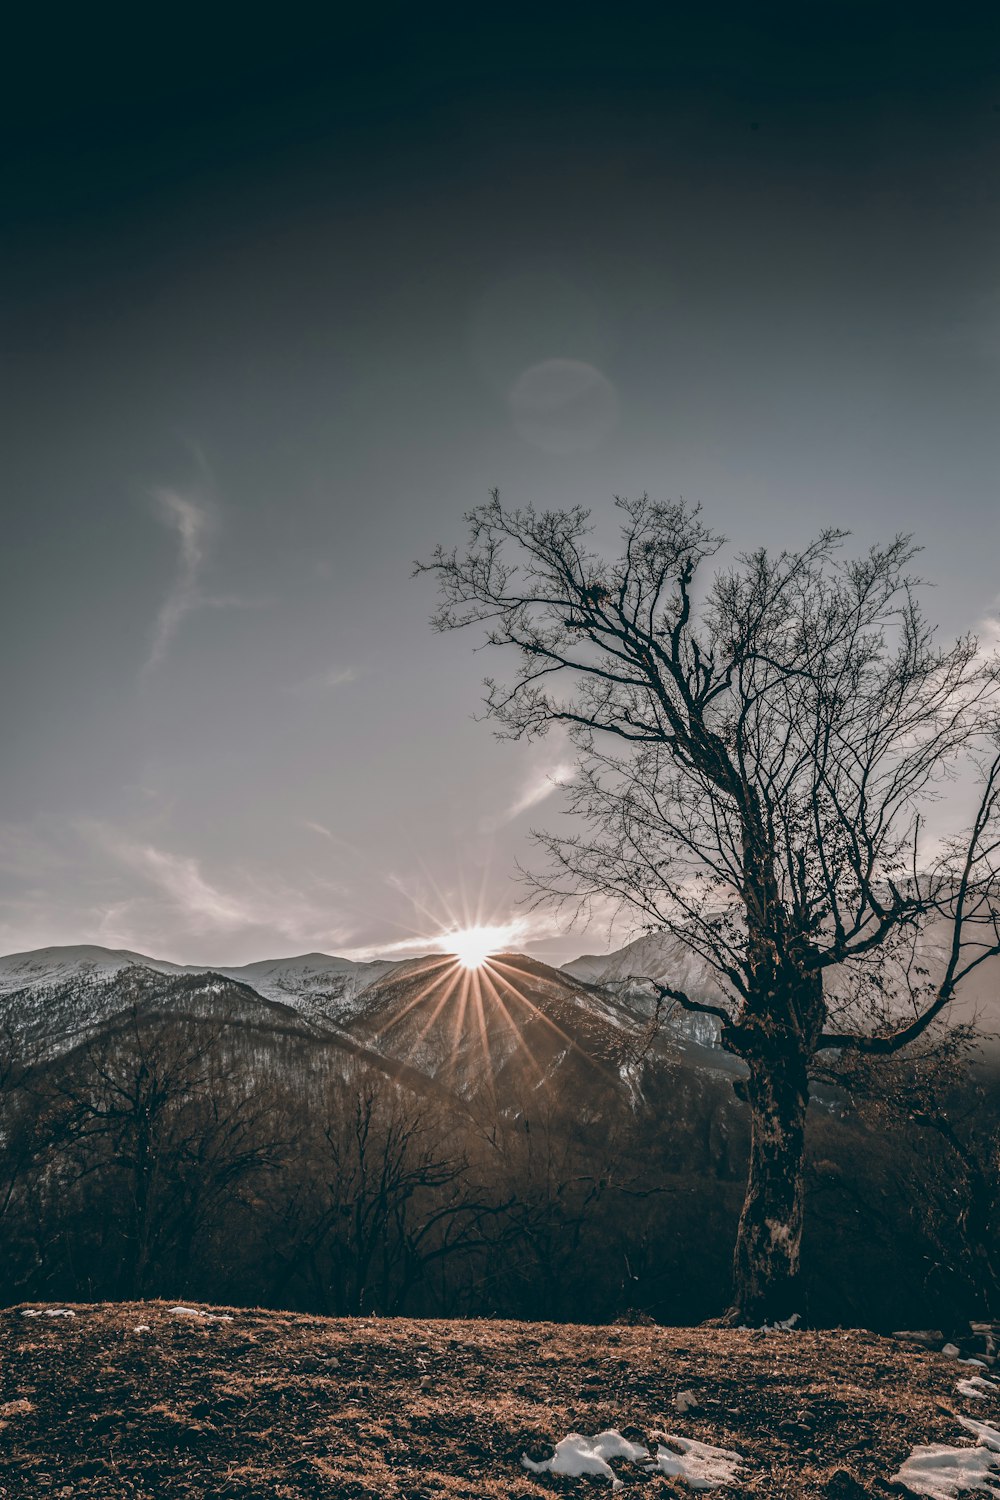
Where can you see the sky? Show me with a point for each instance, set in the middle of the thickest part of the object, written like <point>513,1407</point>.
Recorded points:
<point>280,303</point>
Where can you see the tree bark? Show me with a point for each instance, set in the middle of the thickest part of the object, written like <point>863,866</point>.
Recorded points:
<point>768,1242</point>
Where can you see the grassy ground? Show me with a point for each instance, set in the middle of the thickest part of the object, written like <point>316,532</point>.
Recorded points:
<point>284,1405</point>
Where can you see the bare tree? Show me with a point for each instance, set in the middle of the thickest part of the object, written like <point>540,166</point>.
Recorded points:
<point>384,1197</point>
<point>948,1167</point>
<point>756,755</point>
<point>161,1107</point>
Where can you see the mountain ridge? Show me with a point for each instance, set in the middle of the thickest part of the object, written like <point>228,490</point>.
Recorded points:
<point>517,1032</point>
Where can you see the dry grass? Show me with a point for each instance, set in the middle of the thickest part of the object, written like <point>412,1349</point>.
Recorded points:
<point>284,1405</point>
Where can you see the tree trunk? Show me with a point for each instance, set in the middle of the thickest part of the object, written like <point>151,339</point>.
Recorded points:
<point>766,1259</point>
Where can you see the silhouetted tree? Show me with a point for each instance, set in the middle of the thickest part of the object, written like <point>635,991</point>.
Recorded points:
<point>383,1193</point>
<point>755,754</point>
<point>946,1157</point>
<point>162,1114</point>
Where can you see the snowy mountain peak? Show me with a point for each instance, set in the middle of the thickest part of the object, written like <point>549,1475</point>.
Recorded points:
<point>86,962</point>
<point>314,983</point>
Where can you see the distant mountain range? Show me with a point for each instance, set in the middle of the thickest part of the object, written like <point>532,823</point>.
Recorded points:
<point>323,988</point>
<point>310,981</point>
<point>515,1029</point>
<point>512,1029</point>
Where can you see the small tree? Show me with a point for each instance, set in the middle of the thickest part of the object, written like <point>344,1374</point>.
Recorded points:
<point>756,753</point>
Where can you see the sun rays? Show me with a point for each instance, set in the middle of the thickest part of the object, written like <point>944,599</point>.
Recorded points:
<point>485,1011</point>
<point>471,993</point>
<point>472,946</point>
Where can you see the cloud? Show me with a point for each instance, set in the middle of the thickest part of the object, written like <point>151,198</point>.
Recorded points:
<point>180,898</point>
<point>988,630</point>
<point>541,784</point>
<point>180,878</point>
<point>322,683</point>
<point>328,834</point>
<point>191,522</point>
<point>318,828</point>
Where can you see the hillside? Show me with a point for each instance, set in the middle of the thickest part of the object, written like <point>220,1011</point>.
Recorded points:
<point>510,1141</point>
<point>136,1399</point>
<point>513,1029</point>
<point>661,955</point>
<point>319,985</point>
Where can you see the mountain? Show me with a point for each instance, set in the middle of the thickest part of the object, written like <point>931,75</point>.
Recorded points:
<point>513,1029</point>
<point>56,1023</point>
<point>83,965</point>
<point>654,956</point>
<point>317,985</point>
<point>662,956</point>
<point>70,1003</point>
<point>509,1026</point>
<point>513,1034</point>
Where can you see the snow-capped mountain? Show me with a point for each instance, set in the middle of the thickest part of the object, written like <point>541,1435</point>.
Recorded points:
<point>85,964</point>
<point>318,985</point>
<point>313,983</point>
<point>516,1029</point>
<point>658,955</point>
<point>662,956</point>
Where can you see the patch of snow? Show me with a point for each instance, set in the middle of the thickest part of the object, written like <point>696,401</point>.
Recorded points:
<point>952,1351</point>
<point>197,1312</point>
<point>985,1435</point>
<point>940,1472</point>
<point>699,1465</point>
<point>980,1362</point>
<point>577,1455</point>
<point>978,1387</point>
<point>559,1058</point>
<point>47,1312</point>
<point>786,1325</point>
<point>142,1328</point>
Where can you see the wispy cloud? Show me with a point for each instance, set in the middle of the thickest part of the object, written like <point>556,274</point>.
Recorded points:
<point>191,522</point>
<point>319,828</point>
<point>321,683</point>
<point>540,784</point>
<point>328,834</point>
<point>171,891</point>
<point>179,877</point>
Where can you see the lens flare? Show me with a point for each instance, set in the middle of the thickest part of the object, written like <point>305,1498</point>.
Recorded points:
<point>472,946</point>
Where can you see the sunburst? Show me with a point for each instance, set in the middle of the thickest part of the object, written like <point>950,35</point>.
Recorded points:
<point>473,946</point>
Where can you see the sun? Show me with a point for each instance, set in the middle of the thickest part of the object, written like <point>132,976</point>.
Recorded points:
<point>472,946</point>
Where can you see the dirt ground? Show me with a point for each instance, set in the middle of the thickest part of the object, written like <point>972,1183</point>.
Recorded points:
<point>285,1405</point>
